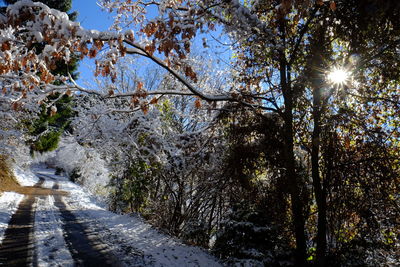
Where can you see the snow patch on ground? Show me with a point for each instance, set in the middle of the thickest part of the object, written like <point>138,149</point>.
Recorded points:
<point>25,177</point>
<point>51,249</point>
<point>9,202</point>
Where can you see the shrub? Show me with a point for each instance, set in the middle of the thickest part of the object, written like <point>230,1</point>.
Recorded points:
<point>248,234</point>
<point>47,142</point>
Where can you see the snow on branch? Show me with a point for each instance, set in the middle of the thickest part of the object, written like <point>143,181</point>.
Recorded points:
<point>35,38</point>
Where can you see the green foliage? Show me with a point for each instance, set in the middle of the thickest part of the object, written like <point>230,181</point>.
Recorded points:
<point>47,142</point>
<point>135,189</point>
<point>255,144</point>
<point>131,189</point>
<point>167,111</point>
<point>59,120</point>
<point>248,233</point>
<point>70,68</point>
<point>47,128</point>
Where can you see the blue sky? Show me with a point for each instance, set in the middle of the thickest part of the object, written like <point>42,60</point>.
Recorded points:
<point>91,17</point>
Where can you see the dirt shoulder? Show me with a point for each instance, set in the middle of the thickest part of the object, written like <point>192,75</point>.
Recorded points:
<point>7,179</point>
<point>8,182</point>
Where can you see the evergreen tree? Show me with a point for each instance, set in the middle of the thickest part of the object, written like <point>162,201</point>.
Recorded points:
<point>48,128</point>
<point>62,5</point>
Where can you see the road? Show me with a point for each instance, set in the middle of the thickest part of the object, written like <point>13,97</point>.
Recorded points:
<point>17,248</point>
<point>59,223</point>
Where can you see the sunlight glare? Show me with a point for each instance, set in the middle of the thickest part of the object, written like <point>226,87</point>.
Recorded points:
<point>338,76</point>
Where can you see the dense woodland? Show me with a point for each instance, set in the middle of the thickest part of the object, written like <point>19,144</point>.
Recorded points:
<point>283,150</point>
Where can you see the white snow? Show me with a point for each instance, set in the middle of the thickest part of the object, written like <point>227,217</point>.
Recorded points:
<point>134,242</point>
<point>38,36</point>
<point>49,240</point>
<point>70,156</point>
<point>128,237</point>
<point>9,202</point>
<point>25,177</point>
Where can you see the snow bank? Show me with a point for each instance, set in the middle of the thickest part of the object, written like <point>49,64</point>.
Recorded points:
<point>161,250</point>
<point>85,162</point>
<point>25,177</point>
<point>9,202</point>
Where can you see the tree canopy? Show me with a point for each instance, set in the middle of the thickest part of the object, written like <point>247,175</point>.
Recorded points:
<point>308,117</point>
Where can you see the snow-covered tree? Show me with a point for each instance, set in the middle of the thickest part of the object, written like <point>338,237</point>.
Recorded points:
<point>284,52</point>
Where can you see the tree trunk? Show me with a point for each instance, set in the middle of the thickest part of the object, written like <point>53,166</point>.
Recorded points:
<point>318,49</point>
<point>320,195</point>
<point>297,205</point>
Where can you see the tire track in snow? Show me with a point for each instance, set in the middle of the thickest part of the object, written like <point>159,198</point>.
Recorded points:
<point>51,249</point>
<point>85,248</point>
<point>17,248</point>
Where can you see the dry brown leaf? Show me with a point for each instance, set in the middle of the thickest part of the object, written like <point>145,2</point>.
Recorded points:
<point>347,142</point>
<point>139,86</point>
<point>145,108</point>
<point>92,52</point>
<point>135,101</point>
<point>332,5</point>
<point>150,49</point>
<point>15,106</point>
<point>154,101</point>
<point>197,103</point>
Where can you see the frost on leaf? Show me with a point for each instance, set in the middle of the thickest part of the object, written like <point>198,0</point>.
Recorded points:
<point>53,111</point>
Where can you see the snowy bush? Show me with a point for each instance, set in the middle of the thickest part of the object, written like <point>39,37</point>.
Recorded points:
<point>84,164</point>
<point>249,238</point>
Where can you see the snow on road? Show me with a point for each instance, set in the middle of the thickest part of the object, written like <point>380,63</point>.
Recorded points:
<point>9,202</point>
<point>132,241</point>
<point>49,239</point>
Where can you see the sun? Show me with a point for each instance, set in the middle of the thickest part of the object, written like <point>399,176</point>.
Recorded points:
<point>338,76</point>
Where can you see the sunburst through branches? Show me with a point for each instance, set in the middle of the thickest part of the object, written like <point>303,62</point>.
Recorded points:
<point>338,76</point>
